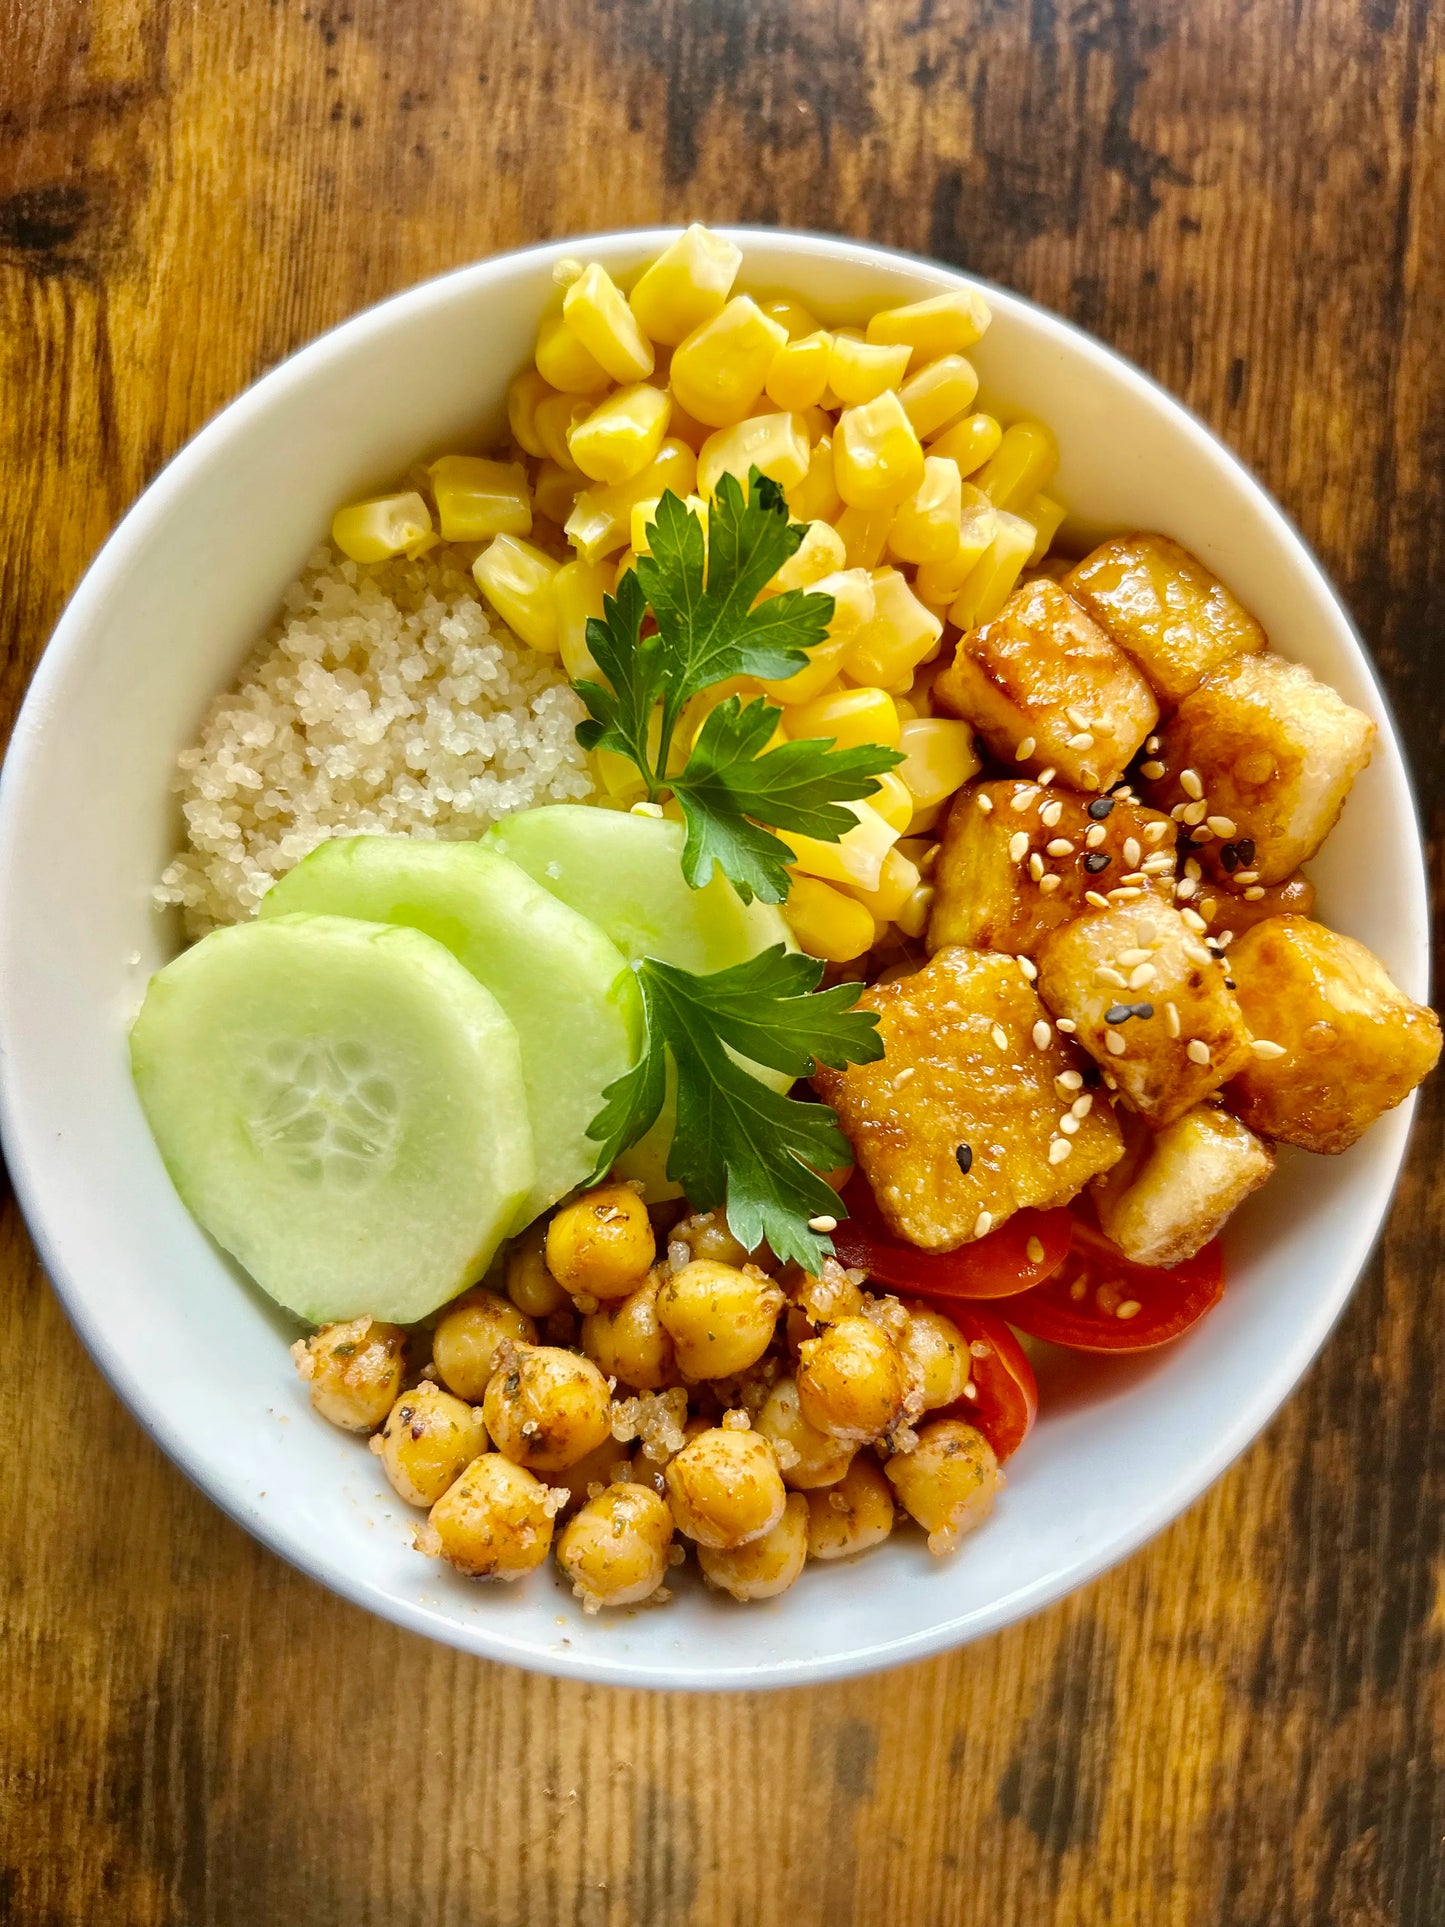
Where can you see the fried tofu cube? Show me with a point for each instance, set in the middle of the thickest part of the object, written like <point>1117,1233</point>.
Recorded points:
<point>1005,876</point>
<point>1044,686</point>
<point>1149,1001</point>
<point>960,1124</point>
<point>1259,760</point>
<point>1172,1190</point>
<point>1336,1043</point>
<point>1164,610</point>
<point>1239,910</point>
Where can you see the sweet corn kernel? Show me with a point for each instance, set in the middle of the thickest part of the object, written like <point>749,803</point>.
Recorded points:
<point>601,519</point>
<point>517,580</point>
<point>816,497</point>
<point>686,428</point>
<point>773,443</point>
<point>877,460</point>
<point>821,673</point>
<point>554,492</point>
<point>375,531</point>
<point>577,591</point>
<point>564,362</point>
<point>524,394</point>
<point>893,799</point>
<point>697,709</point>
<point>618,776</point>
<point>554,419</point>
<point>990,582</point>
<point>854,601</point>
<point>858,372</point>
<point>790,314</point>
<point>622,435</point>
<point>827,923</point>
<point>938,757</point>
<point>926,526</point>
<point>913,917</point>
<point>901,634</point>
<point>686,285</point>
<point>1023,463</point>
<point>597,313</point>
<point>897,881</point>
<point>970,442</point>
<point>798,375</point>
<point>819,553</point>
<point>718,372</point>
<point>939,582</point>
<point>644,514</point>
<point>864,534</point>
<point>939,394</point>
<point>625,562</point>
<point>858,855</point>
<point>851,718</point>
<point>945,324</point>
<point>1046,515</point>
<point>476,498</point>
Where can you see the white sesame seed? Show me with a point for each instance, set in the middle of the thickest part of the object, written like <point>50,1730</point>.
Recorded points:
<point>1094,836</point>
<point>822,1224</point>
<point>1051,812</point>
<point>1136,955</point>
<point>1036,866</point>
<point>985,803</point>
<point>1124,793</point>
<point>1069,1124</point>
<point>1079,719</point>
<point>1106,974</point>
<point>1152,771</point>
<point>1096,897</point>
<point>1200,832</point>
<point>1197,1051</point>
<point>1195,952</point>
<point>1134,876</point>
<point>1192,869</point>
<point>1190,784</point>
<point>903,1076</point>
<point>1082,1106</point>
<point>1177,813</point>
<point>983,1224</point>
<point>1158,865</point>
<point>1133,854</point>
<point>1035,1250</point>
<point>1246,876</point>
<point>1262,1047</point>
<point>1084,740</point>
<point>1078,1290</point>
<point>1025,750</point>
<point>1048,883</point>
<point>1141,976</point>
<point>1018,845</point>
<point>1114,1044</point>
<point>1185,888</point>
<point>1059,1150</point>
<point>1111,1083</point>
<point>1066,1025</point>
<point>1069,1081</point>
<point>1194,921</point>
<point>1059,846</point>
<point>1043,1034</point>
<point>1254,893</point>
<point>1125,893</point>
<point>1221,825</point>
<point>1152,745</point>
<point>1194,813</point>
<point>1021,799</point>
<point>1223,940</point>
<point>1130,1308</point>
<point>1028,967</point>
<point>1048,775</point>
<point>1089,778</point>
<point>970,1390</point>
<point>999,1036</point>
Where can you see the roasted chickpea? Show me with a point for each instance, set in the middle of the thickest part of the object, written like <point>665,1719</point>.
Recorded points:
<point>596,1468</point>
<point>495,1522</point>
<point>706,1235</point>
<point>936,1355</point>
<point>547,1408</point>
<point>814,1458</point>
<point>530,1286</point>
<point>765,1566</point>
<point>615,1550</point>
<point>725,1488</point>
<point>853,1515</point>
<point>601,1245</point>
<point>467,1336</point>
<point>851,1381</point>
<point>354,1371</point>
<point>626,1340</point>
<point>721,1319</point>
<point>427,1439</point>
<point>948,1482</point>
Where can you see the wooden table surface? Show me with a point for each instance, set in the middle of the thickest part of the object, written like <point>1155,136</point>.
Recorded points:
<point>1244,1724</point>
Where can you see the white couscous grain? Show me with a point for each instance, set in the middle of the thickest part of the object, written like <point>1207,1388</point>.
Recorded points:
<point>385,701</point>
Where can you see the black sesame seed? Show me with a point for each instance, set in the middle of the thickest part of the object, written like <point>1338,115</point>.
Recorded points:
<point>1229,857</point>
<point>1096,861</point>
<point>1184,843</point>
<point>1230,984</point>
<point>1093,1077</point>
<point>965,1158</point>
<point>1118,1013</point>
<point>1143,1010</point>
<point>1100,807</point>
<point>1245,846</point>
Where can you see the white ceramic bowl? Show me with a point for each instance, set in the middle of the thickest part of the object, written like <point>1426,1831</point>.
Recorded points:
<point>87,820</point>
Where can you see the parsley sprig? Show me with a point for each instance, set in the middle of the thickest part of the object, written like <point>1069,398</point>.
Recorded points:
<point>737,1141</point>
<point>702,589</point>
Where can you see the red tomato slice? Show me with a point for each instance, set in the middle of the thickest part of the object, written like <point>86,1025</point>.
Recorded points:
<point>993,1267</point>
<point>1079,1305</point>
<point>1006,1393</point>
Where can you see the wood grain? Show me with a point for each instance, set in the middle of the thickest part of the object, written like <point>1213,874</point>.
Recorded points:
<point>1244,1724</point>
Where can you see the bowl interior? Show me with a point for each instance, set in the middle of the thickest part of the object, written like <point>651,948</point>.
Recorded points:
<point>87,820</point>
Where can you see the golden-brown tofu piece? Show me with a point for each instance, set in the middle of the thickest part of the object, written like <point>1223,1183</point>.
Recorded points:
<point>1238,911</point>
<point>1258,762</point>
<point>1150,1002</point>
<point>1164,609</point>
<point>1043,678</point>
<point>961,1123</point>
<point>1337,1044</point>
<point>1006,876</point>
<point>1172,1190</point>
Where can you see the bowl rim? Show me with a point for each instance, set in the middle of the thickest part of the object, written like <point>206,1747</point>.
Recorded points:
<point>1244,1421</point>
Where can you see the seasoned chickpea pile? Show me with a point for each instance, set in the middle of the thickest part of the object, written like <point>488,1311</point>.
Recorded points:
<point>628,1384</point>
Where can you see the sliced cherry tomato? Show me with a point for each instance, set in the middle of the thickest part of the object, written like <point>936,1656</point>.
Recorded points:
<point>993,1267</point>
<point>1080,1305</point>
<point>1005,1397</point>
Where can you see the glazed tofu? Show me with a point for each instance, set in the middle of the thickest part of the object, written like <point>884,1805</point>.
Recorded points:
<point>1257,763</point>
<point>1240,910</point>
<point>1165,610</point>
<point>1045,688</point>
<point>1150,1002</point>
<point>1015,862</point>
<point>1336,1045</point>
<point>1173,1189</point>
<point>960,1124</point>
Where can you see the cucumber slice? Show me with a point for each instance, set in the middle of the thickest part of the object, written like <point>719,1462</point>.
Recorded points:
<point>567,989</point>
<point>341,1106</point>
<point>625,873</point>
